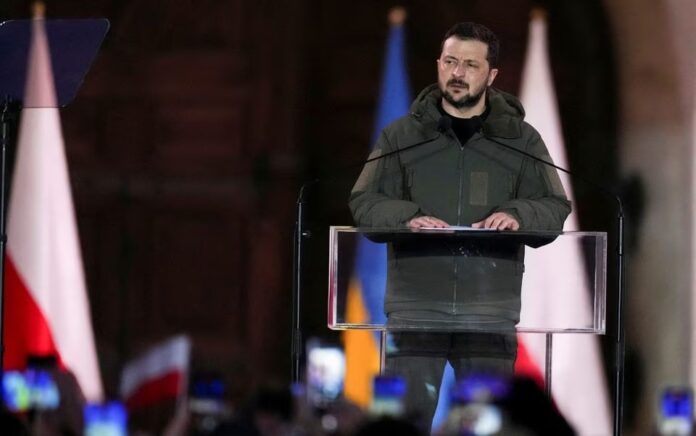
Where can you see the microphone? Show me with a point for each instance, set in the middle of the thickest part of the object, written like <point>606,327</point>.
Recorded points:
<point>620,339</point>
<point>603,189</point>
<point>443,125</point>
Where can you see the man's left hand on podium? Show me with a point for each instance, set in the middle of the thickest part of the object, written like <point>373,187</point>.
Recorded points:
<point>498,221</point>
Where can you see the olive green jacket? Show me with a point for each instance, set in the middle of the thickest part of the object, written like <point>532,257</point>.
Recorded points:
<point>460,184</point>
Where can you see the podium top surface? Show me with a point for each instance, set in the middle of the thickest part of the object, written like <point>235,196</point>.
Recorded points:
<point>459,230</point>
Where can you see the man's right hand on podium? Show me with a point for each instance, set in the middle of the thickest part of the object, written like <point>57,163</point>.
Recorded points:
<point>426,221</point>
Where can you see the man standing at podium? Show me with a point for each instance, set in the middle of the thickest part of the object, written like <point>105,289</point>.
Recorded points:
<point>462,295</point>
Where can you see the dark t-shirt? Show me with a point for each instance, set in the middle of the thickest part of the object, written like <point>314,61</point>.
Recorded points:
<point>464,128</point>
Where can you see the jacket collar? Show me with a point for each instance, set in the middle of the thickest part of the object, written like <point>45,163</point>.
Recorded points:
<point>503,121</point>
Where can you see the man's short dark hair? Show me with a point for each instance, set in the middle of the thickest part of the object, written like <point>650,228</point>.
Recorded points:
<point>478,32</point>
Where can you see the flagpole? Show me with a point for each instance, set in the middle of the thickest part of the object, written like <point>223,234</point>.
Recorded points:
<point>8,119</point>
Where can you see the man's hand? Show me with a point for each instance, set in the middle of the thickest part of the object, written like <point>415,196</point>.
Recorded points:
<point>498,221</point>
<point>426,221</point>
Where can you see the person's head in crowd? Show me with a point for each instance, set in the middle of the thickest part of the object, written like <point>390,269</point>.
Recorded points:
<point>388,426</point>
<point>272,410</point>
<point>68,418</point>
<point>268,412</point>
<point>12,425</point>
<point>529,407</point>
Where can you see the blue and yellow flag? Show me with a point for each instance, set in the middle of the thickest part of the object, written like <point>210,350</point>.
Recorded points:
<point>365,303</point>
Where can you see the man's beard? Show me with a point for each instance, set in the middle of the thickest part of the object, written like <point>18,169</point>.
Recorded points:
<point>469,101</point>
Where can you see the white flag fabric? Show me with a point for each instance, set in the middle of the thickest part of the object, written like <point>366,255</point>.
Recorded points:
<point>47,309</point>
<point>160,373</point>
<point>578,383</point>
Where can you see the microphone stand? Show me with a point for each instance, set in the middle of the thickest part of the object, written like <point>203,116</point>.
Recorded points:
<point>620,330</point>
<point>620,342</point>
<point>299,235</point>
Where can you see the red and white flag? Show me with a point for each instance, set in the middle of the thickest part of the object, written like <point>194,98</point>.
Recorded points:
<point>47,309</point>
<point>159,374</point>
<point>557,278</point>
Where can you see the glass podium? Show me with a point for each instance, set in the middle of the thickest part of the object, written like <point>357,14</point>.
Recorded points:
<point>468,280</point>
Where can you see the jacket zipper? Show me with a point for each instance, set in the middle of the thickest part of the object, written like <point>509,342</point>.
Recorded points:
<point>460,166</point>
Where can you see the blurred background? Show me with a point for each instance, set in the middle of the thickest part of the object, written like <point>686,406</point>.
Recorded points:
<point>199,121</point>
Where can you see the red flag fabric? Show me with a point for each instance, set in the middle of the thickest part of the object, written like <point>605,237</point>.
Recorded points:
<point>47,309</point>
